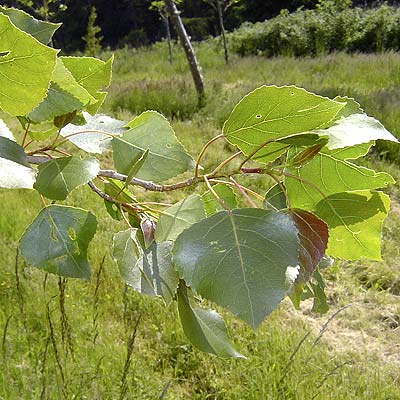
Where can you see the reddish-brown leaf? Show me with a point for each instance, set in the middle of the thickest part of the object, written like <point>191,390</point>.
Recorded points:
<point>313,236</point>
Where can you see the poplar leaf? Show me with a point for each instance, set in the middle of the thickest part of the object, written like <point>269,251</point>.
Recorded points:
<point>57,178</point>
<point>180,216</point>
<point>26,67</point>
<point>65,96</point>
<point>95,135</point>
<point>210,203</point>
<point>330,175</point>
<point>270,113</point>
<point>356,129</point>
<point>205,329</point>
<point>167,157</point>
<point>58,239</point>
<point>43,31</point>
<point>92,74</point>
<point>148,271</point>
<point>355,223</point>
<point>237,259</point>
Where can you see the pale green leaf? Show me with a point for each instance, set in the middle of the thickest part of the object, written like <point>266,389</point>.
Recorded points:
<point>65,95</point>
<point>205,329</point>
<point>167,157</point>
<point>327,175</point>
<point>57,241</point>
<point>43,31</point>
<point>92,74</point>
<point>180,216</point>
<point>351,107</point>
<point>26,66</point>
<point>270,113</point>
<point>15,172</point>
<point>95,135</point>
<point>57,178</point>
<point>227,195</point>
<point>239,260</point>
<point>349,153</point>
<point>355,129</point>
<point>355,223</point>
<point>125,155</point>
<point>149,271</point>
<point>154,274</point>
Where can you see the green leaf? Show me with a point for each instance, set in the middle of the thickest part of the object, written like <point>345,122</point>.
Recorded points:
<point>57,178</point>
<point>147,271</point>
<point>42,130</point>
<point>211,205</point>
<point>237,259</point>
<point>270,113</point>
<point>65,96</point>
<point>57,241</point>
<point>42,31</point>
<point>205,329</point>
<point>275,198</point>
<point>15,172</point>
<point>25,69</point>
<point>180,216</point>
<point>5,131</point>
<point>349,153</point>
<point>167,157</point>
<point>351,107</point>
<point>330,175</point>
<point>316,290</point>
<point>94,136</point>
<point>92,74</point>
<point>355,129</point>
<point>355,223</point>
<point>125,155</point>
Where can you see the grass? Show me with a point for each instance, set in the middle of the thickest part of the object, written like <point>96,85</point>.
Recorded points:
<point>81,353</point>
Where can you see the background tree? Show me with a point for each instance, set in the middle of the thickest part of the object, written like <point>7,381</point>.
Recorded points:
<point>188,48</point>
<point>220,7</point>
<point>93,42</point>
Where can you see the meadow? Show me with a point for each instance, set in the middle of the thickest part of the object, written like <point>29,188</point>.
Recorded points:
<point>100,340</point>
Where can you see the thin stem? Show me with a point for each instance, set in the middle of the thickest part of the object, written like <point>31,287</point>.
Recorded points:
<point>28,125</point>
<point>253,153</point>
<point>280,184</point>
<point>215,194</point>
<point>247,197</point>
<point>252,192</point>
<point>203,150</point>
<point>220,166</point>
<point>124,216</point>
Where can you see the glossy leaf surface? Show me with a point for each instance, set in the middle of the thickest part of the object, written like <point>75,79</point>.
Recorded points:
<point>237,259</point>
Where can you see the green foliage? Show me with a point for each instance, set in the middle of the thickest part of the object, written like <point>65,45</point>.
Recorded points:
<point>243,259</point>
<point>333,26</point>
<point>57,241</point>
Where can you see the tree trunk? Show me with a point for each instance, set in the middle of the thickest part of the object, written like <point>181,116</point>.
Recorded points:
<point>168,30</point>
<point>187,47</point>
<point>222,28</point>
